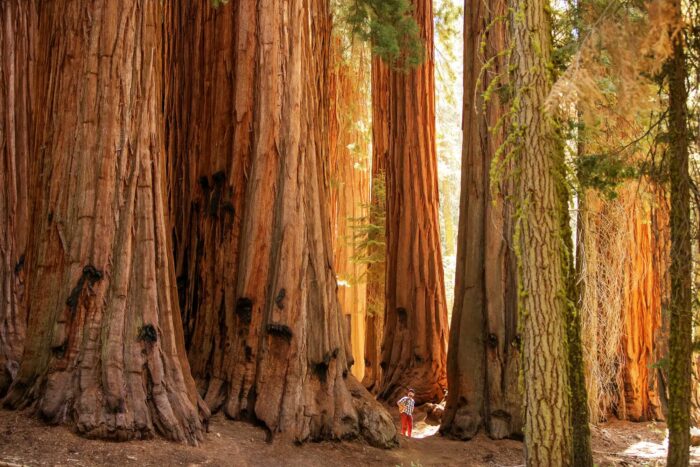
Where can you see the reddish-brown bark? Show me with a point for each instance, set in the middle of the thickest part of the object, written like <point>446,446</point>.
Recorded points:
<point>17,41</point>
<point>542,284</point>
<point>349,185</point>
<point>483,362</point>
<point>376,272</point>
<point>642,300</point>
<point>209,138</point>
<point>414,348</point>
<point>280,354</point>
<point>625,256</point>
<point>104,348</point>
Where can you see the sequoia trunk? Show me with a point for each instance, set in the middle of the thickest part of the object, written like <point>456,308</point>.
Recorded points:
<point>542,290</point>
<point>280,353</point>
<point>623,256</point>
<point>17,41</point>
<point>483,362</point>
<point>642,303</point>
<point>349,188</point>
<point>104,348</point>
<point>414,348</point>
<point>376,270</point>
<point>209,140</point>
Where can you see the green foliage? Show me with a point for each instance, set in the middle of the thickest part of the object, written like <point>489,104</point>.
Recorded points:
<point>388,26</point>
<point>218,3</point>
<point>448,45</point>
<point>369,241</point>
<point>604,172</point>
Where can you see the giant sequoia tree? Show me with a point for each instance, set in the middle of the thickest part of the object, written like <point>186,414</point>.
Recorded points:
<point>414,347</point>
<point>267,335</point>
<point>376,271</point>
<point>104,348</point>
<point>350,186</point>
<point>17,23</point>
<point>622,294</point>
<point>209,140</point>
<point>483,362</point>
<point>542,289</point>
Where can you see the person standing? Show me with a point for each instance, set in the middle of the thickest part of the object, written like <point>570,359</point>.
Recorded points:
<point>406,405</point>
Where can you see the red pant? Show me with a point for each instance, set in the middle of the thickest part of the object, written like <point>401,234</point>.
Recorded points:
<point>406,424</point>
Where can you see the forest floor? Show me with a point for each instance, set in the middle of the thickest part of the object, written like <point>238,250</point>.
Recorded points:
<point>26,441</point>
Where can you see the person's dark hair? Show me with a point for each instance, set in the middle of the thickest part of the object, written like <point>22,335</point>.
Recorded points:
<point>411,390</point>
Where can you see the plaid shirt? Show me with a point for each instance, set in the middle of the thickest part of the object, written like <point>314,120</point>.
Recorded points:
<point>406,405</point>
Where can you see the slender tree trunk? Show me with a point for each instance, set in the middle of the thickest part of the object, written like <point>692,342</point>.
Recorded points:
<point>281,356</point>
<point>104,348</point>
<point>581,432</point>
<point>680,338</point>
<point>483,362</point>
<point>414,348</point>
<point>210,92</point>
<point>539,244</point>
<point>349,189</point>
<point>376,271</point>
<point>17,42</point>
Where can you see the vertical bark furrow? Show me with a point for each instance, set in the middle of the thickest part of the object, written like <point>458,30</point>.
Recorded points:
<point>414,347</point>
<point>17,41</point>
<point>267,338</point>
<point>539,244</point>
<point>349,186</point>
<point>376,272</point>
<point>681,310</point>
<point>483,363</point>
<point>209,104</point>
<point>103,349</point>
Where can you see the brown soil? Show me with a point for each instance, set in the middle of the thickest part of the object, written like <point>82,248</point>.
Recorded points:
<point>27,441</point>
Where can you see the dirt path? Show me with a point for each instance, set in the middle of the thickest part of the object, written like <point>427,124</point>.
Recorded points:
<point>26,441</point>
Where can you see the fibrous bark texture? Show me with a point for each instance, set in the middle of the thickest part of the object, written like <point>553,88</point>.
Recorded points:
<point>350,171</point>
<point>582,455</point>
<point>624,257</point>
<point>17,41</point>
<point>210,92</point>
<point>483,362</point>
<point>376,270</point>
<point>542,290</point>
<point>641,311</point>
<point>680,332</point>
<point>104,348</point>
<point>280,353</point>
<point>414,348</point>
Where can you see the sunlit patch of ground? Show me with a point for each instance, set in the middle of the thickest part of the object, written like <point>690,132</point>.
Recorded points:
<point>423,430</point>
<point>26,441</point>
<point>646,450</point>
<point>634,444</point>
